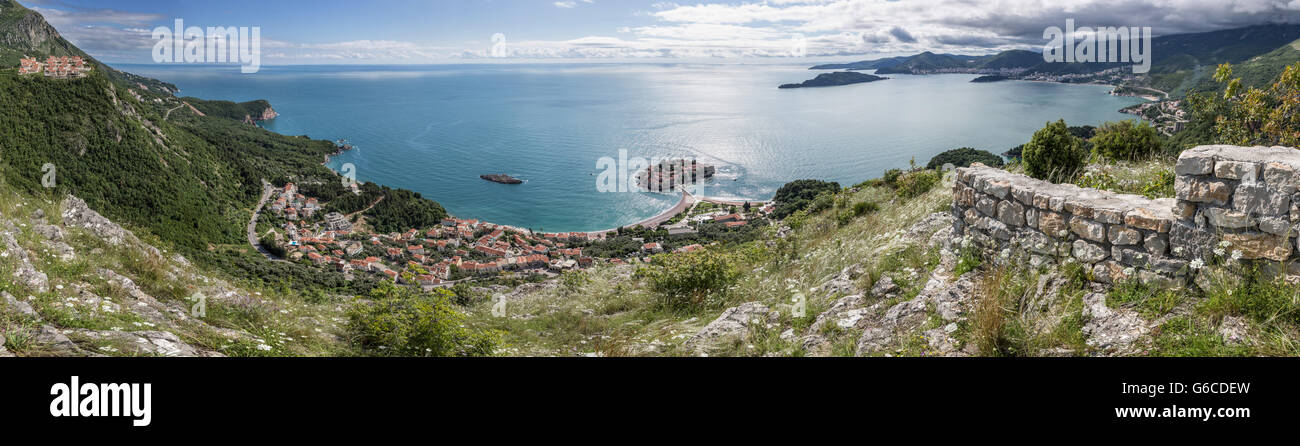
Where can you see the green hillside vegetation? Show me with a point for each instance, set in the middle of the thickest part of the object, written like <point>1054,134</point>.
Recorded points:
<point>228,109</point>
<point>929,61</point>
<point>142,158</point>
<point>963,157</point>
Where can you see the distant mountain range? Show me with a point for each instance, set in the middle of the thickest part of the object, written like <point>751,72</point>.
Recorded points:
<point>1180,62</point>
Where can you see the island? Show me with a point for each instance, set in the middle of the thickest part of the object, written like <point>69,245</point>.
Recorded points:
<point>836,79</point>
<point>502,178</point>
<point>989,78</point>
<point>669,175</point>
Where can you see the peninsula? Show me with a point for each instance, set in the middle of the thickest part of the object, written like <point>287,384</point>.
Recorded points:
<point>836,79</point>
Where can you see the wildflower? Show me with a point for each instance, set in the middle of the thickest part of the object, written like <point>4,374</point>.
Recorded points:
<point>1006,253</point>
<point>1129,271</point>
<point>1062,233</point>
<point>1219,252</point>
<point>1225,244</point>
<point>1236,254</point>
<point>264,347</point>
<point>1197,264</point>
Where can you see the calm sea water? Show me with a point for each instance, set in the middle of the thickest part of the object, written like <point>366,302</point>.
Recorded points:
<point>435,129</point>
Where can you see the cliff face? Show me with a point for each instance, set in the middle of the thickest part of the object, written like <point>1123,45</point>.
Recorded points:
<point>267,114</point>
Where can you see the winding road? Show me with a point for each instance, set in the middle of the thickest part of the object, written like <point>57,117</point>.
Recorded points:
<point>267,192</point>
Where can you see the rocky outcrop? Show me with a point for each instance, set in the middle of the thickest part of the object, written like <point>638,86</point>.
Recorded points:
<point>140,343</point>
<point>1113,332</point>
<point>25,272</point>
<point>266,115</point>
<point>734,325</point>
<point>78,215</point>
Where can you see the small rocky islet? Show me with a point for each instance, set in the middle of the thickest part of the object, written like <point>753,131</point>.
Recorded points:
<point>501,178</point>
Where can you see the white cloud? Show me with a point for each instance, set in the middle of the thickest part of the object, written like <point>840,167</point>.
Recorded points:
<point>764,28</point>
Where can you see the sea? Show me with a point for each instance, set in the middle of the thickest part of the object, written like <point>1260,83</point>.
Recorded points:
<point>435,129</point>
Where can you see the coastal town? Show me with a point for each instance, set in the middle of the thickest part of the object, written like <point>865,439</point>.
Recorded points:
<point>459,249</point>
<point>56,67</point>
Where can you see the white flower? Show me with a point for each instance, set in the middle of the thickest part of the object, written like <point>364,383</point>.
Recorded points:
<point>264,347</point>
<point>1236,254</point>
<point>1129,271</point>
<point>1062,233</point>
<point>1006,253</point>
<point>1219,252</point>
<point>1225,244</point>
<point>1197,264</point>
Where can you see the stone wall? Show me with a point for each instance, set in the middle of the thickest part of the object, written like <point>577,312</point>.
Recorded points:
<point>1241,200</point>
<point>1232,202</point>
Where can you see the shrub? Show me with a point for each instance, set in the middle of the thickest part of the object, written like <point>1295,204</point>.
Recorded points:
<point>1126,140</point>
<point>406,322</point>
<point>690,279</point>
<point>864,208</point>
<point>914,184</point>
<point>798,195</point>
<point>822,202</point>
<point>1053,154</point>
<point>891,177</point>
<point>963,157</point>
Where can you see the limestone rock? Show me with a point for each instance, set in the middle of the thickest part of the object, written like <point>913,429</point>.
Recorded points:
<point>1112,331</point>
<point>734,324</point>
<point>77,214</point>
<point>17,306</point>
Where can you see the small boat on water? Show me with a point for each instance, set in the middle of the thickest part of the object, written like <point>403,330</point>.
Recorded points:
<point>502,178</point>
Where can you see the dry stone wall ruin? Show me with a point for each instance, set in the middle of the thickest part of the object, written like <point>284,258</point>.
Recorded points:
<point>1231,202</point>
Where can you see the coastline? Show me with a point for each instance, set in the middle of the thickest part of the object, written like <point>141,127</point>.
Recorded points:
<point>682,205</point>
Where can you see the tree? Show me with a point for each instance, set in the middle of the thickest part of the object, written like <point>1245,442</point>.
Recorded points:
<point>1126,140</point>
<point>1253,116</point>
<point>1053,154</point>
<point>797,195</point>
<point>963,157</point>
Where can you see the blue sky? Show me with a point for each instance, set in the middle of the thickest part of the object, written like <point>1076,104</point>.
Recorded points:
<point>434,31</point>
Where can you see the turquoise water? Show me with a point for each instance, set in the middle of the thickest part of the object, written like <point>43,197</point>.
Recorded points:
<point>435,129</point>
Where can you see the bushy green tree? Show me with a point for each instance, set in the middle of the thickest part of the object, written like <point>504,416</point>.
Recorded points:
<point>1126,140</point>
<point>797,195</point>
<point>401,321</point>
<point>1253,116</point>
<point>690,279</point>
<point>1053,154</point>
<point>963,157</point>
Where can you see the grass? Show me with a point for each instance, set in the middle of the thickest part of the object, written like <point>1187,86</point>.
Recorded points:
<point>610,312</point>
<point>1151,302</point>
<point>1152,178</point>
<point>1023,311</point>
